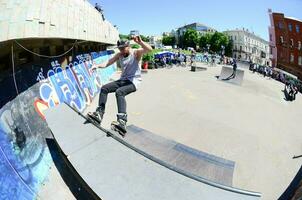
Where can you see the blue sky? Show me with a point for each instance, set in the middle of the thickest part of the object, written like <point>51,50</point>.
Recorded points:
<point>157,16</point>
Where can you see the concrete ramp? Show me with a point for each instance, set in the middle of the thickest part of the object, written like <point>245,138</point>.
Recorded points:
<point>228,75</point>
<point>114,169</point>
<point>193,161</point>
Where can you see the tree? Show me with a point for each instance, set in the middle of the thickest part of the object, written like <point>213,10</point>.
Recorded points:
<point>229,49</point>
<point>217,42</point>
<point>204,40</point>
<point>168,40</point>
<point>191,38</point>
<point>145,38</point>
<point>122,36</point>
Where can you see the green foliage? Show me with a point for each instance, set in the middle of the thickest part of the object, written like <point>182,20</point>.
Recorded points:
<point>216,41</point>
<point>168,40</point>
<point>187,52</point>
<point>191,38</point>
<point>145,38</point>
<point>150,56</point>
<point>135,46</point>
<point>204,40</point>
<point>229,48</point>
<point>147,57</point>
<point>122,36</point>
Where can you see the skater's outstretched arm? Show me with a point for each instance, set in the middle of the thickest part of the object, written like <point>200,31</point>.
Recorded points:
<point>145,47</point>
<point>107,63</point>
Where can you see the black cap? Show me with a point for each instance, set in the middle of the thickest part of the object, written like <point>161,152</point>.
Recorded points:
<point>122,43</point>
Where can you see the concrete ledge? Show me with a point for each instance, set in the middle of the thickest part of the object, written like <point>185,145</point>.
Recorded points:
<point>229,76</point>
<point>196,68</point>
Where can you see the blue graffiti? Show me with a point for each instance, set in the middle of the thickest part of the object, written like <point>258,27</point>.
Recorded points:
<point>65,89</point>
<point>73,78</point>
<point>84,80</point>
<point>24,160</point>
<point>76,84</point>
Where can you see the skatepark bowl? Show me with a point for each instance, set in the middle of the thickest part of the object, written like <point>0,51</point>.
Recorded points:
<point>190,135</point>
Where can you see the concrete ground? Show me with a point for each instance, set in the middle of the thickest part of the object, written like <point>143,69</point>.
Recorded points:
<point>250,124</point>
<point>55,187</point>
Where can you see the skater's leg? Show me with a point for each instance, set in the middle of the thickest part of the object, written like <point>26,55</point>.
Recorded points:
<point>100,110</point>
<point>126,88</point>
<point>108,88</point>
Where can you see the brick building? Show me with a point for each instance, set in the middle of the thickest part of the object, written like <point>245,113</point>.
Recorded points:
<point>285,35</point>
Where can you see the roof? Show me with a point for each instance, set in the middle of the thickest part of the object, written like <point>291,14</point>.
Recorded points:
<point>249,33</point>
<point>293,18</point>
<point>197,24</point>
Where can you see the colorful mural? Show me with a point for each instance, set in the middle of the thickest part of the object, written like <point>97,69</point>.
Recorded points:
<point>24,155</point>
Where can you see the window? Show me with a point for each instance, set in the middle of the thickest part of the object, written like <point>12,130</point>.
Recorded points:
<point>292,57</point>
<point>235,37</point>
<point>291,42</point>
<point>299,45</point>
<point>297,28</point>
<point>300,61</point>
<point>280,25</point>
<point>281,39</point>
<point>290,27</point>
<point>240,48</point>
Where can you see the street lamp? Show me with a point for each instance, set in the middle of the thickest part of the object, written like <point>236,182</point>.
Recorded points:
<point>222,50</point>
<point>208,47</point>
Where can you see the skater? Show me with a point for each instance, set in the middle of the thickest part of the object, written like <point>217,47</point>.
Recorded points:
<point>130,78</point>
<point>290,91</point>
<point>193,55</point>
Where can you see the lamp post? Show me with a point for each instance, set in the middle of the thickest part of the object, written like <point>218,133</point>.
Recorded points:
<point>208,47</point>
<point>222,50</point>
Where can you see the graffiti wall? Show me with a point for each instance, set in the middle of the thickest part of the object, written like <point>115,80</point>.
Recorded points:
<point>24,155</point>
<point>74,84</point>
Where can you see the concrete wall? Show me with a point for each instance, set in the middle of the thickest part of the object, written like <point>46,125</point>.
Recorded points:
<point>72,19</point>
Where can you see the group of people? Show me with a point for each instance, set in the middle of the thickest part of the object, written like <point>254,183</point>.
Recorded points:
<point>171,59</point>
<point>264,70</point>
<point>290,88</point>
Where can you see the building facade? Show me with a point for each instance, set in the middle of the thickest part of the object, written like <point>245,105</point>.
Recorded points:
<point>249,47</point>
<point>200,28</point>
<point>285,43</point>
<point>156,41</point>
